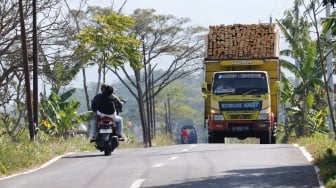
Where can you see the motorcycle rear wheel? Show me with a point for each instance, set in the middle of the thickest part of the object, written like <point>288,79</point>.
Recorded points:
<point>107,148</point>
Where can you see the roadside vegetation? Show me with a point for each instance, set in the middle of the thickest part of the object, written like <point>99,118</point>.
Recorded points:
<point>323,151</point>
<point>23,155</point>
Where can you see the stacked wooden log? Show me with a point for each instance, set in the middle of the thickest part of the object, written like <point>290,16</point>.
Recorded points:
<point>240,41</point>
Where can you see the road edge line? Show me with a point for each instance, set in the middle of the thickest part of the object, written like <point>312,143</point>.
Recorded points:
<point>310,158</point>
<point>38,168</point>
<point>137,183</point>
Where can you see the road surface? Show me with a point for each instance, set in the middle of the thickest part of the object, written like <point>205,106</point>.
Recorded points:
<point>196,166</point>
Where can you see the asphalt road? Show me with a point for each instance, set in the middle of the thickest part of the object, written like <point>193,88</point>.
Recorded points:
<point>196,166</point>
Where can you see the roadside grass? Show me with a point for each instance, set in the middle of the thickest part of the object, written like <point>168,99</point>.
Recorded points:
<point>323,150</point>
<point>163,140</point>
<point>23,154</point>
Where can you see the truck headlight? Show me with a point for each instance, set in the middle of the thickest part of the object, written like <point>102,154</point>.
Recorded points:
<point>263,117</point>
<point>218,117</point>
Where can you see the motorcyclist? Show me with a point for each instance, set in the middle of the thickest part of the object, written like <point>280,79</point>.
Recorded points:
<point>107,103</point>
<point>185,134</point>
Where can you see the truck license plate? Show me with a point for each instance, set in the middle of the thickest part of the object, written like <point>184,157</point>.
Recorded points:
<point>240,128</point>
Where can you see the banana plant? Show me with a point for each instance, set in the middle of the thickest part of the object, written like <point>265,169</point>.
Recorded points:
<point>305,101</point>
<point>59,113</point>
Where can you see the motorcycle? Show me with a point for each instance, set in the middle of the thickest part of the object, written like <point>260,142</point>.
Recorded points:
<point>107,137</point>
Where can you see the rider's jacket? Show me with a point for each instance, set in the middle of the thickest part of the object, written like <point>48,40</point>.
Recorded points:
<point>106,103</point>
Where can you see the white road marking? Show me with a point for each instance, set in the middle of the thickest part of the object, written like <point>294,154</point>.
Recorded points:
<point>173,158</point>
<point>305,152</point>
<point>137,183</point>
<point>185,150</point>
<point>310,159</point>
<point>157,165</point>
<point>38,168</point>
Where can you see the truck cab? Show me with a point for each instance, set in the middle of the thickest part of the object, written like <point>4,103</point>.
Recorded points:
<point>241,100</point>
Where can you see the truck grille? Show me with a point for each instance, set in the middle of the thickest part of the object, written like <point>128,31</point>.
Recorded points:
<point>241,116</point>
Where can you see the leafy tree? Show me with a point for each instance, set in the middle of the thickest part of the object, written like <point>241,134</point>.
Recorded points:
<point>168,42</point>
<point>108,42</point>
<point>51,32</point>
<point>326,2</point>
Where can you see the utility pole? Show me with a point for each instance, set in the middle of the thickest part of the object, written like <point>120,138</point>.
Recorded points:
<point>35,69</point>
<point>26,74</point>
<point>330,78</point>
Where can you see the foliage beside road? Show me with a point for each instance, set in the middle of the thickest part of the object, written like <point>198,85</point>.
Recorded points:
<point>323,150</point>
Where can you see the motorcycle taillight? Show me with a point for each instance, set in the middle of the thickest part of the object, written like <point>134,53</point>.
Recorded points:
<point>106,120</point>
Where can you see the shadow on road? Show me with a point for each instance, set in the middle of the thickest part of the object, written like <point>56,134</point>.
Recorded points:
<point>83,156</point>
<point>284,177</point>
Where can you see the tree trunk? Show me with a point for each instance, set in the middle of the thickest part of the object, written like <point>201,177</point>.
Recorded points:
<point>88,102</point>
<point>166,116</point>
<point>99,77</point>
<point>141,107</point>
<point>169,116</point>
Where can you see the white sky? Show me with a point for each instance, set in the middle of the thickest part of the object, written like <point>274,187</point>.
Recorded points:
<point>214,12</point>
<point>204,12</point>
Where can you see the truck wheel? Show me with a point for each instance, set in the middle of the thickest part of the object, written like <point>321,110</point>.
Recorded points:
<point>215,138</point>
<point>265,138</point>
<point>273,138</point>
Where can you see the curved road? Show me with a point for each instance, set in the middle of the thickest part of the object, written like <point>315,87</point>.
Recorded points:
<point>197,166</point>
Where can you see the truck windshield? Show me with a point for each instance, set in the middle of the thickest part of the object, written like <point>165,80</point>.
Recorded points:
<point>240,83</point>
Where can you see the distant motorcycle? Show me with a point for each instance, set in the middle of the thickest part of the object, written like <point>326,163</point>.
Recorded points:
<point>107,138</point>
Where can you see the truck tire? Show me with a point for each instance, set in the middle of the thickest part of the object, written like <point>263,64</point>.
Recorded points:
<point>273,138</point>
<point>265,138</point>
<point>215,138</point>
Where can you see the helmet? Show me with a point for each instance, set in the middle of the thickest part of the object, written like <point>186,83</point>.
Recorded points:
<point>102,87</point>
<point>108,89</point>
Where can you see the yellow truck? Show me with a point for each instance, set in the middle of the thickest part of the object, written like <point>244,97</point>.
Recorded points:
<point>241,92</point>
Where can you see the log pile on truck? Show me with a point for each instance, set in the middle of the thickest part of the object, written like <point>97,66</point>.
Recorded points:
<point>241,82</point>
<point>242,41</point>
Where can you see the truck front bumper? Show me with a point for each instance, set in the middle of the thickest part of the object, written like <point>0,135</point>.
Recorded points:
<point>239,126</point>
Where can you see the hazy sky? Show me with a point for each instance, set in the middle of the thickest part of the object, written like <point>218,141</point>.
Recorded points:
<point>204,12</point>
<point>211,12</point>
